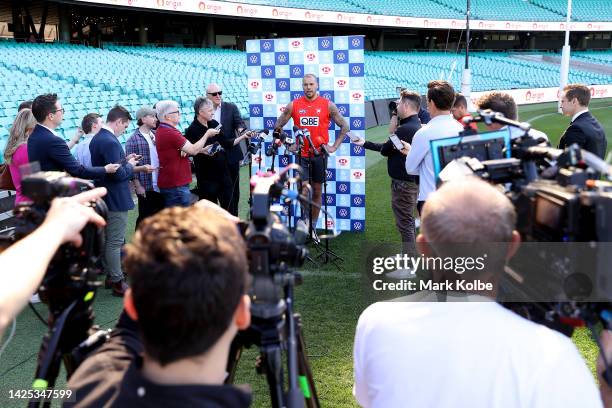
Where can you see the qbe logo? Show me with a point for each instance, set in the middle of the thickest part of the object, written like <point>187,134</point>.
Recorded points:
<point>309,121</point>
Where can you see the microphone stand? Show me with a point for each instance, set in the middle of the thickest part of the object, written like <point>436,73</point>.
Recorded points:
<point>327,254</point>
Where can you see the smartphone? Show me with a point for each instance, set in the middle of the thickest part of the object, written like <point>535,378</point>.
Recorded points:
<point>214,149</point>
<point>396,142</point>
<point>219,127</point>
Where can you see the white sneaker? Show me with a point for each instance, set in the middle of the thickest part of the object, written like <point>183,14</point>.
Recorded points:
<point>35,298</point>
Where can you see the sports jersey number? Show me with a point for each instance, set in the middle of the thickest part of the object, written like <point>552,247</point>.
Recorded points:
<point>309,121</point>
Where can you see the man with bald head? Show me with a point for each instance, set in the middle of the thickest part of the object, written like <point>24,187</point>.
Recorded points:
<point>227,114</point>
<point>472,352</point>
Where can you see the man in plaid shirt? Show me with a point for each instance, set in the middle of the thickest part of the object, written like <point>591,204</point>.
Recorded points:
<point>142,142</point>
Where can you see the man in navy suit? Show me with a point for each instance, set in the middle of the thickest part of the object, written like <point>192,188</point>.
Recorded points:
<point>228,116</point>
<point>106,149</point>
<point>584,129</point>
<point>49,149</point>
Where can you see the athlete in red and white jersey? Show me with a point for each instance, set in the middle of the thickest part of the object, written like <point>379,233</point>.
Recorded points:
<point>314,112</point>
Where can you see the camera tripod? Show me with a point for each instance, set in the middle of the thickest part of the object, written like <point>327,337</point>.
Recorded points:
<point>70,325</point>
<point>274,328</point>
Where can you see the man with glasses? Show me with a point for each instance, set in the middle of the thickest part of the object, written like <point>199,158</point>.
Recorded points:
<point>227,114</point>
<point>172,149</point>
<point>49,150</point>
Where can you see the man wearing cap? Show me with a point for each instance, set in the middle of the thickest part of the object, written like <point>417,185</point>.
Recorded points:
<point>142,143</point>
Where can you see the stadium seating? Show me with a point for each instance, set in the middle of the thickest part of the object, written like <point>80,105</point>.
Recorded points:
<point>520,10</point>
<point>93,80</point>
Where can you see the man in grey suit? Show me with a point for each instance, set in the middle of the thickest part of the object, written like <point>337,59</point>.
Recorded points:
<point>227,114</point>
<point>584,129</point>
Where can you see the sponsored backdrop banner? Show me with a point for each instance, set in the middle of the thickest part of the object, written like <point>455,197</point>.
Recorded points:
<point>275,69</point>
<point>257,11</point>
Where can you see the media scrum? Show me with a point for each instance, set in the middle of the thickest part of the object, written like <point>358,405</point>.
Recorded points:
<point>560,195</point>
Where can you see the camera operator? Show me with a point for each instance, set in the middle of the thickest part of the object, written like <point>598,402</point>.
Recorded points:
<point>63,223</point>
<point>477,353</point>
<point>584,129</point>
<point>404,186</point>
<point>440,98</point>
<point>188,271</point>
<point>504,103</point>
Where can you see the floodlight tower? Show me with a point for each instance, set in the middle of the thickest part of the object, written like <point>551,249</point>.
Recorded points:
<point>565,54</point>
<point>466,77</point>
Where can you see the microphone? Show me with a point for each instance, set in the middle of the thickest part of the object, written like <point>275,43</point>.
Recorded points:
<point>307,136</point>
<point>297,132</point>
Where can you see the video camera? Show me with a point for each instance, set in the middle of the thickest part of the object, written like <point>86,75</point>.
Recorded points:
<point>560,275</point>
<point>272,252</point>
<point>70,282</point>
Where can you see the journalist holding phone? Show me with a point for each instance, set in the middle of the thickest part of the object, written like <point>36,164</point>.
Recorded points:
<point>404,186</point>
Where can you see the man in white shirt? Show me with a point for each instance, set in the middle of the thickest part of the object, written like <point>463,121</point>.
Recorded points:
<point>440,98</point>
<point>91,125</point>
<point>504,103</point>
<point>466,354</point>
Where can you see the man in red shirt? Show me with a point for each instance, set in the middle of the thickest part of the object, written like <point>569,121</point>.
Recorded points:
<point>172,149</point>
<point>460,111</point>
<point>314,112</point>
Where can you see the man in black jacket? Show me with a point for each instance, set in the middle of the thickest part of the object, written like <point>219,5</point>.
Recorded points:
<point>584,129</point>
<point>228,116</point>
<point>404,187</point>
<point>212,170</point>
<point>50,150</point>
<point>188,272</point>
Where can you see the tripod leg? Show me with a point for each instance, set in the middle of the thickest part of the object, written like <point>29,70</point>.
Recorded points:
<point>307,383</point>
<point>272,364</point>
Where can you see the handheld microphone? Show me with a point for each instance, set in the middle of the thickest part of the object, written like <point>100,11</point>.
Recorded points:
<point>307,136</point>
<point>297,132</point>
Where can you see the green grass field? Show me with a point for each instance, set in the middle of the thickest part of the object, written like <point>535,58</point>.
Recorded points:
<point>330,301</point>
